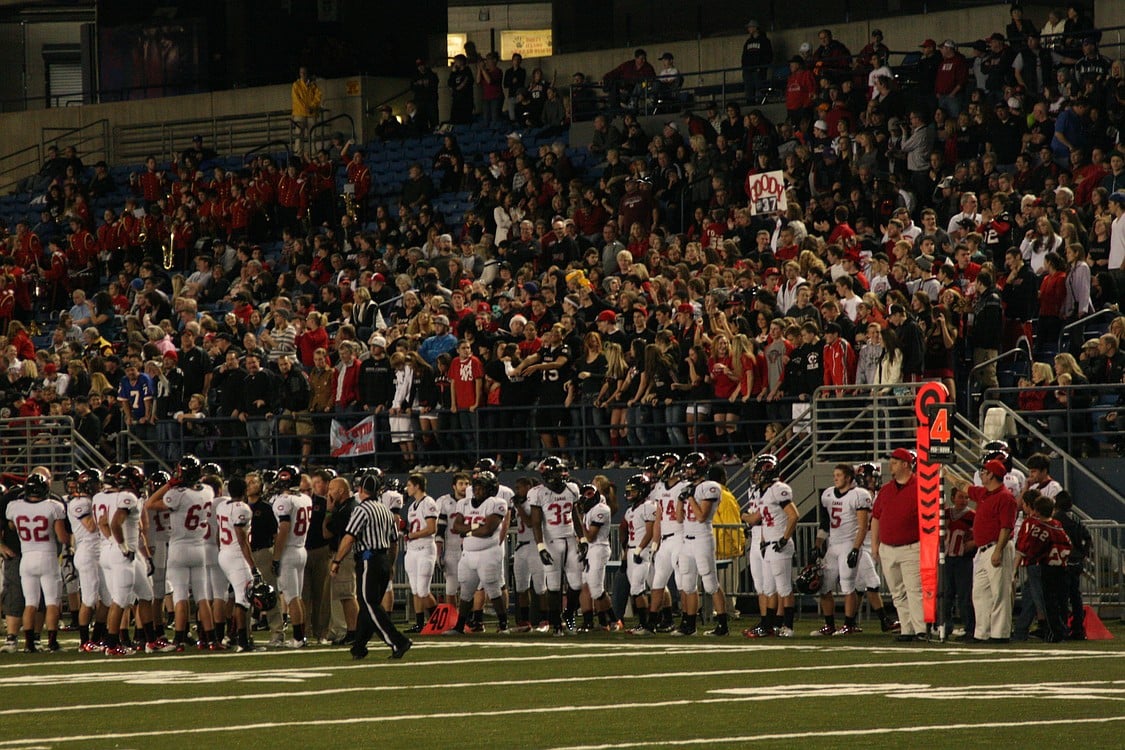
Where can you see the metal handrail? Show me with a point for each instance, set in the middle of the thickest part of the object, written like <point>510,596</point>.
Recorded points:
<point>96,132</point>
<point>266,146</point>
<point>229,134</point>
<point>323,124</point>
<point>1065,332</point>
<point>19,165</point>
<point>1069,462</point>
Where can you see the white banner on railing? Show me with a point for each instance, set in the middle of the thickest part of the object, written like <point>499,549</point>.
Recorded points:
<point>353,441</point>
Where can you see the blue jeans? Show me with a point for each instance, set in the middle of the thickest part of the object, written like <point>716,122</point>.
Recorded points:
<point>259,433</point>
<point>1031,602</point>
<point>169,439</point>
<point>674,423</point>
<point>466,422</point>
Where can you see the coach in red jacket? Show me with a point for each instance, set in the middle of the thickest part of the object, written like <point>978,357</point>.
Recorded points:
<point>894,542</point>
<point>995,561</point>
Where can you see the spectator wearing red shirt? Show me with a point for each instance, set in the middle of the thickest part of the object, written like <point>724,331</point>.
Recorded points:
<point>952,75</point>
<point>959,551</point>
<point>347,379</point>
<point>839,359</point>
<point>995,561</point>
<point>466,376</point>
<point>800,88</point>
<point>1052,295</point>
<point>894,542</point>
<point>314,337</point>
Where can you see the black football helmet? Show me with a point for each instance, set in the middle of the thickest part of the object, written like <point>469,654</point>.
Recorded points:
<point>997,449</point>
<point>268,476</point>
<point>111,477</point>
<point>693,466</point>
<point>588,497</point>
<point>651,466</point>
<point>132,478</point>
<point>36,485</point>
<point>809,579</point>
<point>262,596</point>
<point>669,466</point>
<point>394,484</point>
<point>157,479</point>
<point>377,481</point>
<point>637,488</point>
<point>89,481</point>
<point>70,478</point>
<point>288,478</point>
<point>189,470</point>
<point>485,485</point>
<point>554,472</point>
<point>868,475</point>
<point>765,469</point>
<point>486,464</point>
<point>211,468</point>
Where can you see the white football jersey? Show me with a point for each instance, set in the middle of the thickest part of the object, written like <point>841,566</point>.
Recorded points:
<point>231,514</point>
<point>296,507</point>
<point>101,504</point>
<point>665,498</point>
<point>159,526</point>
<point>189,511</point>
<point>636,516</point>
<point>523,530</point>
<point>753,505</point>
<point>772,503</point>
<point>447,509</point>
<point>111,502</point>
<point>557,509</point>
<point>704,491</point>
<point>842,510</point>
<point>602,517</point>
<point>493,506</point>
<point>419,515</point>
<point>35,524</point>
<point>392,499</point>
<point>78,508</point>
<point>504,492</point>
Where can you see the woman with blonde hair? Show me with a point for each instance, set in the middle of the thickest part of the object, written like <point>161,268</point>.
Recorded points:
<point>610,398</point>
<point>1071,406</point>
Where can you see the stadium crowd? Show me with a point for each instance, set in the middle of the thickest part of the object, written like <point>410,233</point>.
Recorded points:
<point>932,221</point>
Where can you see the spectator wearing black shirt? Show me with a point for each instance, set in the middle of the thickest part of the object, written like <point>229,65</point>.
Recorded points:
<point>1005,133</point>
<point>757,53</point>
<point>316,591</point>
<point>986,334</point>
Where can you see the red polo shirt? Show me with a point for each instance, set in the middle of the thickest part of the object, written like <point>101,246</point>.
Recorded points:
<point>896,507</point>
<point>995,510</point>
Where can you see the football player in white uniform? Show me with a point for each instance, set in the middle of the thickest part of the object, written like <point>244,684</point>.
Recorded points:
<point>527,568</point>
<point>188,503</point>
<point>40,522</point>
<point>479,521</point>
<point>448,541</point>
<point>158,531</point>
<point>293,510</point>
<point>843,525</point>
<point>752,517</point>
<point>697,506</point>
<point>640,520</point>
<point>120,519</point>
<point>217,582</point>
<point>594,551</point>
<point>668,539</point>
<point>553,521</point>
<point>232,520</point>
<point>86,542</point>
<point>777,514</point>
<point>390,496</point>
<point>869,476</point>
<point>505,493</point>
<point>421,549</point>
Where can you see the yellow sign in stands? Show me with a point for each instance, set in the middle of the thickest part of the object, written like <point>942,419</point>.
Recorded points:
<point>536,43</point>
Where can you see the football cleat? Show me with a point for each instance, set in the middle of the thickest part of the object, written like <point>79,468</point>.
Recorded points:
<point>415,628</point>
<point>505,631</point>
<point>559,633</point>
<point>521,627</point>
<point>758,632</point>
<point>294,643</point>
<point>824,630</point>
<point>54,648</point>
<point>154,647</point>
<point>179,648</point>
<point>218,647</point>
<point>9,647</point>
<point>784,632</point>
<point>683,632</point>
<point>891,627</point>
<point>543,627</point>
<point>92,647</point>
<point>640,630</point>
<point>616,627</point>
<point>400,651</point>
<point>718,630</point>
<point>276,642</point>
<point>453,632</point>
<point>667,627</point>
<point>119,651</point>
<point>475,627</point>
<point>848,630</point>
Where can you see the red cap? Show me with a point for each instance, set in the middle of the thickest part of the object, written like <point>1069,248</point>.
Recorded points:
<point>686,308</point>
<point>50,368</point>
<point>607,316</point>
<point>484,307</point>
<point>771,271</point>
<point>642,310</point>
<point>465,282</point>
<point>904,454</point>
<point>928,43</point>
<point>172,355</point>
<point>379,277</point>
<point>996,468</point>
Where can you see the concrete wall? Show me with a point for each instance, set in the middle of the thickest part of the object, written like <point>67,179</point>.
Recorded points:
<point>343,95</point>
<point>12,56</point>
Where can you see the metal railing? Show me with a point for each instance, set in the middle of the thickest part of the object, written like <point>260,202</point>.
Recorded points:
<point>27,442</point>
<point>1065,334</point>
<point>91,141</point>
<point>14,167</point>
<point>232,134</point>
<point>322,126</point>
<point>865,423</point>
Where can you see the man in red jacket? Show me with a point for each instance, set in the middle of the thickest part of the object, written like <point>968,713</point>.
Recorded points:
<point>894,543</point>
<point>839,359</point>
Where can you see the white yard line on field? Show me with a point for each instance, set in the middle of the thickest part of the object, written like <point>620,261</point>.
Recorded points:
<point>827,733</point>
<point>493,714</point>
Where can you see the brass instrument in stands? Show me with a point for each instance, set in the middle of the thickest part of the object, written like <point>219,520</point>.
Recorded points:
<point>170,249</point>
<point>350,205</point>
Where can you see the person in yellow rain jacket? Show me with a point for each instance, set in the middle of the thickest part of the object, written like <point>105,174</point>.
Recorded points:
<point>306,106</point>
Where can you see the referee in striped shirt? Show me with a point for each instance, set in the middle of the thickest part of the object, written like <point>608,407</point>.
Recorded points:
<point>372,536</point>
